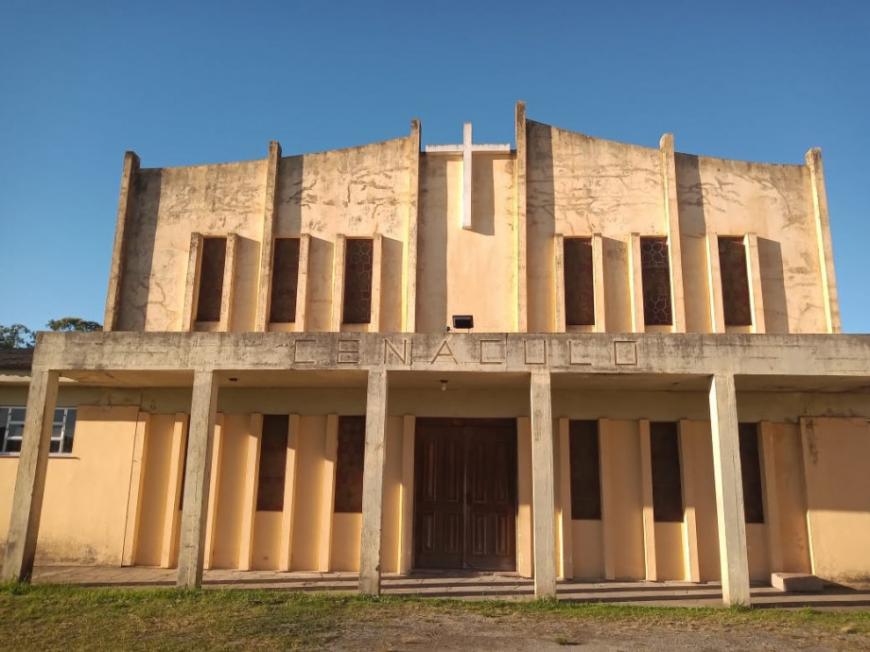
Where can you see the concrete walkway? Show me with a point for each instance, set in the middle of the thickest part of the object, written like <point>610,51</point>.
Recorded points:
<point>502,586</point>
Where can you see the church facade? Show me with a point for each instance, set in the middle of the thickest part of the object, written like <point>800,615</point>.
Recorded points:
<point>564,358</point>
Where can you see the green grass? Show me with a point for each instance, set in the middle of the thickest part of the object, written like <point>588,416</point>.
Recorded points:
<point>49,617</point>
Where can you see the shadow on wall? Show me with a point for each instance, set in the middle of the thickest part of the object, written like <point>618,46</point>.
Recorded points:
<point>138,251</point>
<point>773,286</point>
<point>431,306</point>
<point>483,197</point>
<point>320,262</point>
<point>541,229</point>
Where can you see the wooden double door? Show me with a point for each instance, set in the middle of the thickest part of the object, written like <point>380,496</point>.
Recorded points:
<point>465,500</point>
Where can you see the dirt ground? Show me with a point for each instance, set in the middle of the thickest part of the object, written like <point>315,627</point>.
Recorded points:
<point>457,631</point>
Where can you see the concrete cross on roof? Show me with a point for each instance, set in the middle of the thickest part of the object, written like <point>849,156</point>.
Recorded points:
<point>467,149</point>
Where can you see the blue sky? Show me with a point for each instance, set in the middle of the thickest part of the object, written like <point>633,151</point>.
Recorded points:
<point>184,83</point>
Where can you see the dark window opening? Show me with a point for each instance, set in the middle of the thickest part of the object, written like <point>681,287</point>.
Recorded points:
<point>273,463</point>
<point>655,269</point>
<point>585,470</point>
<point>750,465</point>
<point>735,282</point>
<point>63,429</point>
<point>211,279</point>
<point>359,256</point>
<point>285,278</point>
<point>349,465</point>
<point>579,286</point>
<point>667,485</point>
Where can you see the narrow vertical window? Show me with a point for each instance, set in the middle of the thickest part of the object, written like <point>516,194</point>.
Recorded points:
<point>358,281</point>
<point>285,278</point>
<point>349,466</point>
<point>273,460</point>
<point>750,465</point>
<point>579,287</point>
<point>667,485</point>
<point>735,282</point>
<point>585,470</point>
<point>211,279</point>
<point>655,268</point>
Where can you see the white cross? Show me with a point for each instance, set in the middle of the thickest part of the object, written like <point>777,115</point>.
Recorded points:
<point>467,148</point>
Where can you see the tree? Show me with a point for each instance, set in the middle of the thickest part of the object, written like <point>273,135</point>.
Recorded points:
<point>73,324</point>
<point>16,336</point>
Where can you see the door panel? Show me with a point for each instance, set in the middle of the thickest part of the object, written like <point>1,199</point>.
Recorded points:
<point>465,503</point>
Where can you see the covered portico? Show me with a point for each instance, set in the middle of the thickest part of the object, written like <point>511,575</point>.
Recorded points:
<point>536,365</point>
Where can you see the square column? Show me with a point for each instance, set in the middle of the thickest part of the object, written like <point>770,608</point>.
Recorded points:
<point>373,483</point>
<point>733,557</point>
<point>203,411</point>
<point>543,486</point>
<point>30,481</point>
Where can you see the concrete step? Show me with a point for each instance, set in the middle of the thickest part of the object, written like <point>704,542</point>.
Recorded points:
<point>796,582</point>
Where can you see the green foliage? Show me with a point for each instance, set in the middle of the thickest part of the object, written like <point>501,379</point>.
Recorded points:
<point>73,324</point>
<point>16,336</point>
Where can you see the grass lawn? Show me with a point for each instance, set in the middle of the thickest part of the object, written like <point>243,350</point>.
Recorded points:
<point>51,617</point>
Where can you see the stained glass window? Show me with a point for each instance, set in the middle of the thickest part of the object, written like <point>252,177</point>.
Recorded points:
<point>735,282</point>
<point>358,281</point>
<point>579,287</point>
<point>655,268</point>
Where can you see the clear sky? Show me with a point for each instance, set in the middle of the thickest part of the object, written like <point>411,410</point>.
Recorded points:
<point>184,83</point>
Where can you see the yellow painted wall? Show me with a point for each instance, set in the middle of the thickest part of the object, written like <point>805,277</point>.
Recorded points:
<point>622,498</point>
<point>231,494</point>
<point>85,503</point>
<point>452,260</point>
<point>836,454</point>
<point>525,544</point>
<point>697,458</point>
<point>791,502</point>
<point>588,549</point>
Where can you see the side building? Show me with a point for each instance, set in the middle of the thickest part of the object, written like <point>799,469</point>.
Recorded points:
<point>568,358</point>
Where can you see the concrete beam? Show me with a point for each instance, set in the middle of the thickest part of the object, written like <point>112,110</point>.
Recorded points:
<point>30,480</point>
<point>691,354</point>
<point>543,485</point>
<point>728,481</point>
<point>373,483</point>
<point>203,411</point>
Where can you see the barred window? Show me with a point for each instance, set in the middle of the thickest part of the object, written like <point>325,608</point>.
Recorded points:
<point>359,255</point>
<point>349,466</point>
<point>667,484</point>
<point>750,466</point>
<point>285,279</point>
<point>579,286</point>
<point>273,463</point>
<point>12,429</point>
<point>655,268</point>
<point>585,470</point>
<point>211,279</point>
<point>735,282</point>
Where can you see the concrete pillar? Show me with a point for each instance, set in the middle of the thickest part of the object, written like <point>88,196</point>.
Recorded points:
<point>267,244</point>
<point>217,460</point>
<point>134,497</point>
<point>406,549</point>
<point>598,283</point>
<point>249,489</point>
<point>338,259</point>
<point>327,493</point>
<point>373,483</point>
<point>171,507</point>
<point>229,287</point>
<point>301,322</point>
<point>191,282</point>
<point>566,525</point>
<point>125,201</point>
<point>819,201</point>
<point>714,283</point>
<point>543,486</point>
<point>753,273</point>
<point>560,324</point>
<point>648,512</point>
<point>521,233</point>
<point>635,284</point>
<point>728,480</point>
<point>409,269</point>
<point>30,480</point>
<point>203,410</point>
<point>672,223</point>
<point>285,560</point>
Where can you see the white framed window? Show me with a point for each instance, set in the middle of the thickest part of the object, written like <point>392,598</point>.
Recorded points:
<point>12,428</point>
